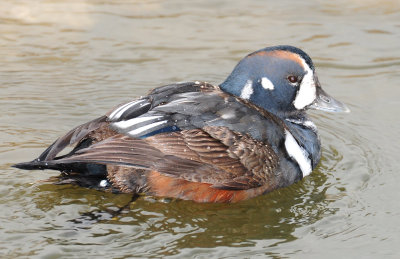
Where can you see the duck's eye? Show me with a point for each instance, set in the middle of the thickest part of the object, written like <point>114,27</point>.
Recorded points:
<point>293,79</point>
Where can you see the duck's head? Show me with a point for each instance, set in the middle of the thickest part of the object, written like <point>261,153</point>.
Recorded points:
<point>281,80</point>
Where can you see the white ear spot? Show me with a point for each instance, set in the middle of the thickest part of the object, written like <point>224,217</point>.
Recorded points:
<point>307,91</point>
<point>267,84</point>
<point>298,154</point>
<point>247,90</point>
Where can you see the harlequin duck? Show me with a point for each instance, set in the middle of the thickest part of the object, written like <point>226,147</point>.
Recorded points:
<point>196,141</point>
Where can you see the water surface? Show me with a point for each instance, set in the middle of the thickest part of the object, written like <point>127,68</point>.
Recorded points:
<point>63,63</point>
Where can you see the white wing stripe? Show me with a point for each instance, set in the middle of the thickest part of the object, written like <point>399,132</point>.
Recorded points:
<point>129,123</point>
<point>112,115</point>
<point>145,128</point>
<point>119,111</point>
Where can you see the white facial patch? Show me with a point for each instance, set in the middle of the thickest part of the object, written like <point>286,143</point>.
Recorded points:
<point>307,91</point>
<point>297,153</point>
<point>267,84</point>
<point>247,90</point>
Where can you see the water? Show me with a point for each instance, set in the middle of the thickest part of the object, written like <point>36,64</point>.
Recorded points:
<point>63,63</point>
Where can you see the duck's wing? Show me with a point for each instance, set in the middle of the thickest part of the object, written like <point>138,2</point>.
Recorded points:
<point>213,155</point>
<point>97,129</point>
<point>190,131</point>
<point>72,137</point>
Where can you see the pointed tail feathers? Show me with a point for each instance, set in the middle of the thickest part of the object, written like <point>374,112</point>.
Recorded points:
<point>38,165</point>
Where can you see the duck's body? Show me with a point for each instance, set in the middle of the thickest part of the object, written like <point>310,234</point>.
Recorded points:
<point>201,142</point>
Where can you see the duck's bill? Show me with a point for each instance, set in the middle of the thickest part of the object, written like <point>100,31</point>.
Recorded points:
<point>325,102</point>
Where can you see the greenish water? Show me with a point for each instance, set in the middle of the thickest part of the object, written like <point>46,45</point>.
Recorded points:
<point>63,63</point>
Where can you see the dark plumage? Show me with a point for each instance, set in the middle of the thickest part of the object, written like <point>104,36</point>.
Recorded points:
<point>206,143</point>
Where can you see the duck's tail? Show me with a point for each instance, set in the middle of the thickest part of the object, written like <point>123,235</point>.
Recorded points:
<point>36,165</point>
<point>87,169</point>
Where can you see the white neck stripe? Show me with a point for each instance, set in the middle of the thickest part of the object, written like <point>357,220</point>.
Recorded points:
<point>298,154</point>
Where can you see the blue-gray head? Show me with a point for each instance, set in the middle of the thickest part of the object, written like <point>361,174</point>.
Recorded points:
<point>281,80</point>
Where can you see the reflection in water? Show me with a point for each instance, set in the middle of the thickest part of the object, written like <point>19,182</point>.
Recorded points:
<point>274,216</point>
